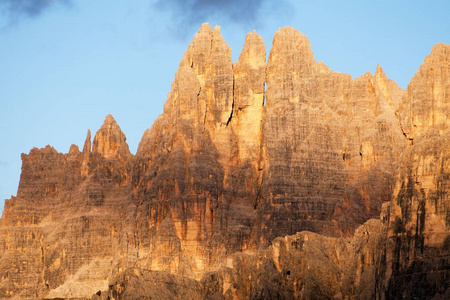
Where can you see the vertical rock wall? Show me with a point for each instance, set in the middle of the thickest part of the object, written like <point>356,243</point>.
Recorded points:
<point>244,160</point>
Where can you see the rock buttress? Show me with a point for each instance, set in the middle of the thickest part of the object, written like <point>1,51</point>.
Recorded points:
<point>67,229</point>
<point>331,143</point>
<point>426,104</point>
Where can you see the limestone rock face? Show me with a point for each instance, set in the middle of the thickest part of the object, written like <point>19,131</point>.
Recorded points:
<point>259,180</point>
<point>63,234</point>
<point>418,219</point>
<point>426,105</point>
<point>302,266</point>
<point>137,284</point>
<point>183,179</point>
<point>331,142</point>
<point>246,161</point>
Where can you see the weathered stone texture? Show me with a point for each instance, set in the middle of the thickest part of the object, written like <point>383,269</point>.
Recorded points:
<point>136,284</point>
<point>63,233</point>
<point>426,105</point>
<point>328,139</point>
<point>259,180</point>
<point>109,141</point>
<point>416,258</point>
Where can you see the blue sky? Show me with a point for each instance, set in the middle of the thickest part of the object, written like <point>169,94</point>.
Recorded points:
<point>66,64</point>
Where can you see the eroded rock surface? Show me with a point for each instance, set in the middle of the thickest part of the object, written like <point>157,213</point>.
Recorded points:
<point>259,180</point>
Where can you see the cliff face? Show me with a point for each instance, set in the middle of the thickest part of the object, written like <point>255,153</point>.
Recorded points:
<point>65,231</point>
<point>416,257</point>
<point>331,142</point>
<point>259,180</point>
<point>426,105</point>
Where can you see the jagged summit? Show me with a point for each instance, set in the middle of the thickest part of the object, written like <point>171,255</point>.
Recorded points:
<point>441,49</point>
<point>426,105</point>
<point>110,141</point>
<point>317,185</point>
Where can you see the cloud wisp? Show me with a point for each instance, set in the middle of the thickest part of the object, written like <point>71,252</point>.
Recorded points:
<point>188,13</point>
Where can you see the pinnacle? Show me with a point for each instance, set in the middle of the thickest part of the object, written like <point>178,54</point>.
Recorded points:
<point>216,29</point>
<point>253,36</point>
<point>441,49</point>
<point>109,119</point>
<point>379,72</point>
<point>109,139</point>
<point>74,149</point>
<point>87,143</point>
<point>293,36</point>
<point>253,51</point>
<point>111,125</point>
<point>205,27</point>
<point>291,49</point>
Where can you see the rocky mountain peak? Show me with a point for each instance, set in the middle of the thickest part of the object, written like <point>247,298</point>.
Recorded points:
<point>199,50</point>
<point>249,74</point>
<point>291,62</point>
<point>426,105</point>
<point>379,73</point>
<point>294,48</point>
<point>253,198</point>
<point>441,50</point>
<point>205,28</point>
<point>253,52</point>
<point>87,143</point>
<point>110,141</point>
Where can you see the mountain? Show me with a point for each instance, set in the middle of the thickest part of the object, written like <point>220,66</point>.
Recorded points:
<point>278,179</point>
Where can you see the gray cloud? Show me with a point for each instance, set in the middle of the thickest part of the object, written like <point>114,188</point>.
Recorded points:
<point>18,9</point>
<point>187,13</point>
<point>192,11</point>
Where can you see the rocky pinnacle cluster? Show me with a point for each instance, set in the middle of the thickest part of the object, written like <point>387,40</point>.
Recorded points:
<point>261,179</point>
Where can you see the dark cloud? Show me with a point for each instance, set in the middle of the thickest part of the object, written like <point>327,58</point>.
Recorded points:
<point>18,9</point>
<point>193,12</point>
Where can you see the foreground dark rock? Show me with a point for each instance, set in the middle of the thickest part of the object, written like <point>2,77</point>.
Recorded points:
<point>317,186</point>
